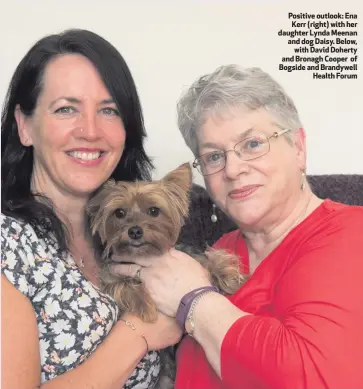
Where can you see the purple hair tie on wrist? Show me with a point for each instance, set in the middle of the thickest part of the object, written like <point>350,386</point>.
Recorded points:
<point>186,302</point>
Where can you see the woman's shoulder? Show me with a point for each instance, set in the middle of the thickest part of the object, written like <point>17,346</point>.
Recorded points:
<point>332,228</point>
<point>9,223</point>
<point>18,229</point>
<point>14,232</point>
<point>17,234</point>
<point>333,214</point>
<point>24,254</point>
<point>340,208</point>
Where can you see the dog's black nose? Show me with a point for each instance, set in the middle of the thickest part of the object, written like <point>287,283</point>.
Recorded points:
<point>135,232</point>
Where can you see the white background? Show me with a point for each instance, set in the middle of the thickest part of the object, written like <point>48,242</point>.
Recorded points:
<point>167,44</point>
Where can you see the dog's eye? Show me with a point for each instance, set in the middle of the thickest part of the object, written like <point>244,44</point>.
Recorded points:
<point>153,211</point>
<point>120,213</point>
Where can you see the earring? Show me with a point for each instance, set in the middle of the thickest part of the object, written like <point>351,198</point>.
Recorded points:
<point>303,179</point>
<point>214,217</point>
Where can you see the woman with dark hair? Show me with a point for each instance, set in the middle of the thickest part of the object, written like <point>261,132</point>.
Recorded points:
<point>71,120</point>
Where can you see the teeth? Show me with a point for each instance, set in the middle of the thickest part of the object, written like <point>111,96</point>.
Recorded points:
<point>85,156</point>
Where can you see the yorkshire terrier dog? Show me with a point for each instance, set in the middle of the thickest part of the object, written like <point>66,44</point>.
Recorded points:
<point>144,219</point>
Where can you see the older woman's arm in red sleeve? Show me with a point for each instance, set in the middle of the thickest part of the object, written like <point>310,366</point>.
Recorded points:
<point>317,339</point>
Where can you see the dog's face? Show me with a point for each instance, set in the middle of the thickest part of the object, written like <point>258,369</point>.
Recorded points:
<point>141,218</point>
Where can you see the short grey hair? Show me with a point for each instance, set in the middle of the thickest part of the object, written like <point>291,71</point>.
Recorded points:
<point>230,87</point>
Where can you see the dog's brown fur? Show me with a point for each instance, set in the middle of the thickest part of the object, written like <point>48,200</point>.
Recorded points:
<point>171,196</point>
<point>159,233</point>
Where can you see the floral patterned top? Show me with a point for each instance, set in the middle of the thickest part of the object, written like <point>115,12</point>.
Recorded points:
<point>73,315</point>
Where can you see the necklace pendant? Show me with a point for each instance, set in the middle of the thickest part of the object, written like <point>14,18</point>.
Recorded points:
<point>81,263</point>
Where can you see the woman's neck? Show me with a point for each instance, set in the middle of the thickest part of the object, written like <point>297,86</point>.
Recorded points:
<point>262,242</point>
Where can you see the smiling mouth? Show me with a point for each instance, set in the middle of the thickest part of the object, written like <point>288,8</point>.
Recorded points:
<point>85,156</point>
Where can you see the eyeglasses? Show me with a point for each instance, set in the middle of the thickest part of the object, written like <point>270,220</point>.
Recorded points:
<point>248,149</point>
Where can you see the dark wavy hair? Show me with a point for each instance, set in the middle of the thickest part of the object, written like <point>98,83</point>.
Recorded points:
<point>17,200</point>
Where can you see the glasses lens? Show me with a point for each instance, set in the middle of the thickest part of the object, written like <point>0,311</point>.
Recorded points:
<point>212,162</point>
<point>252,147</point>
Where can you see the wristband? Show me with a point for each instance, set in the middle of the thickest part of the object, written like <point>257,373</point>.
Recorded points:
<point>186,302</point>
<point>190,317</point>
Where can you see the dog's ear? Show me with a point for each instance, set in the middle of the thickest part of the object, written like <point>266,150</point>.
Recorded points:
<point>181,176</point>
<point>178,184</point>
<point>95,204</point>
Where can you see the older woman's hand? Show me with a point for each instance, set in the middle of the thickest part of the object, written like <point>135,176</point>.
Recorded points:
<point>167,277</point>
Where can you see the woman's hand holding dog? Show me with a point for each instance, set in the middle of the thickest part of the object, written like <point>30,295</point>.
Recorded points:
<point>167,277</point>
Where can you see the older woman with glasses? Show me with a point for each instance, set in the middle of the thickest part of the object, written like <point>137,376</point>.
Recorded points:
<point>297,321</point>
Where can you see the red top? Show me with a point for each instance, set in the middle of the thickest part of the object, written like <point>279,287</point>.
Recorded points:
<point>305,328</point>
